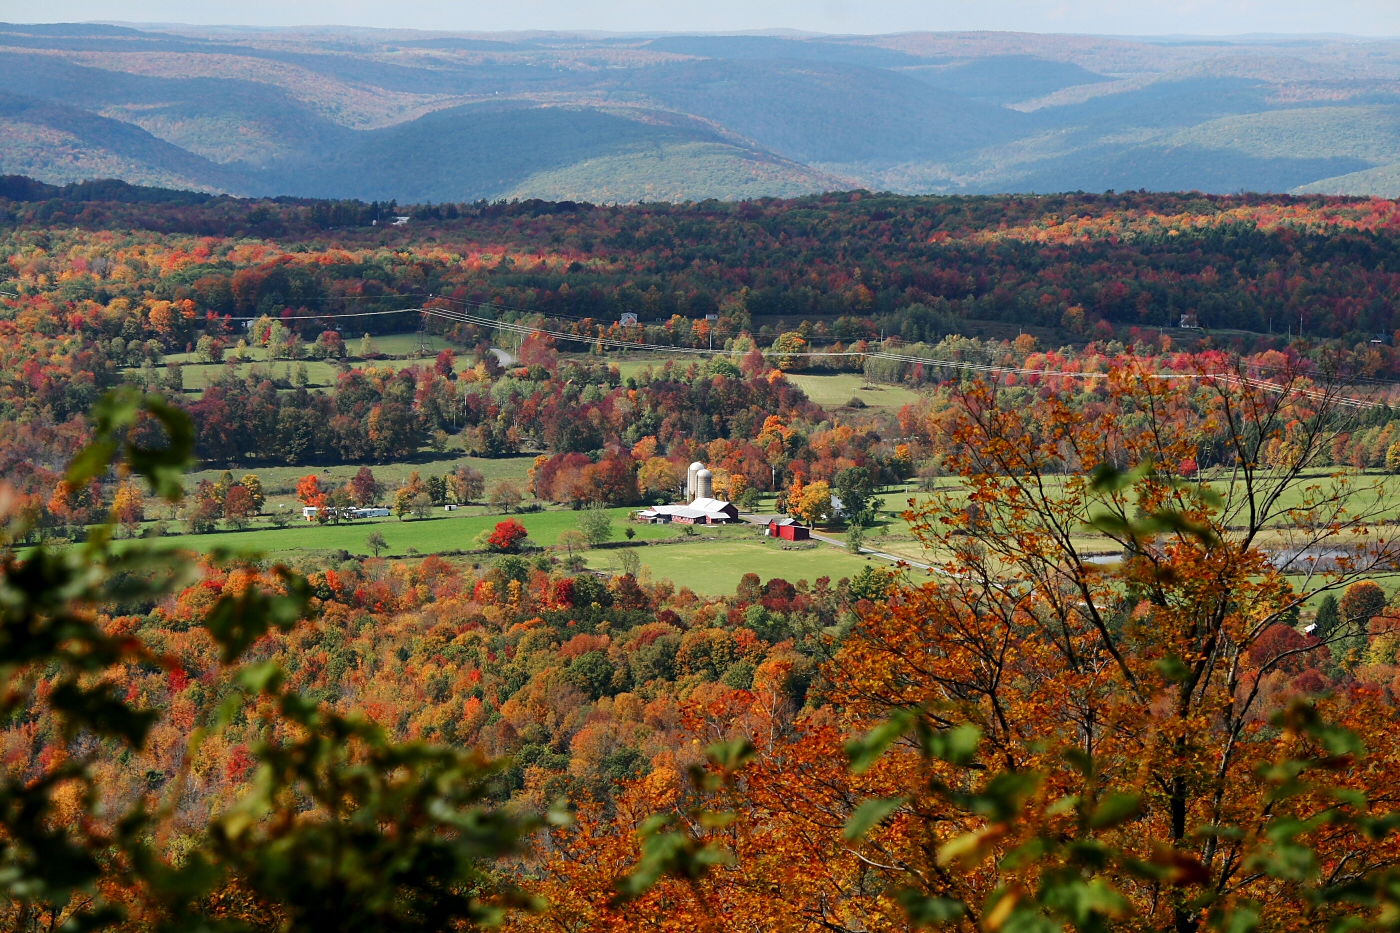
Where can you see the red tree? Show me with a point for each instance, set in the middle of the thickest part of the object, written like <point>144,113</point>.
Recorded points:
<point>364,488</point>
<point>507,536</point>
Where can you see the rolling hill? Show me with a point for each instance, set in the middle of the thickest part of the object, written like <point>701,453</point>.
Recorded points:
<point>454,117</point>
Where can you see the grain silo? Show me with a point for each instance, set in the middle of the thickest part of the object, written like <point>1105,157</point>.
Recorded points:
<point>691,484</point>
<point>704,484</point>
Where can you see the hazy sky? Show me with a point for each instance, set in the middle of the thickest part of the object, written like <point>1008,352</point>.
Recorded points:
<point>1117,17</point>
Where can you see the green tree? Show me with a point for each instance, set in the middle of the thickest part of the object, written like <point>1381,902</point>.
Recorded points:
<point>592,674</point>
<point>854,488</point>
<point>596,525</point>
<point>571,541</point>
<point>174,377</point>
<point>1328,617</point>
<point>376,543</point>
<point>855,537</point>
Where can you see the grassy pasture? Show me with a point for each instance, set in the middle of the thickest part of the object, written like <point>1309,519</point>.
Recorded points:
<point>836,389</point>
<point>711,563</point>
<point>715,567</point>
<point>444,531</point>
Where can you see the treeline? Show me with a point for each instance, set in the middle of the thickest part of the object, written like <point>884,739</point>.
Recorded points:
<point>581,681</point>
<point>1266,265</point>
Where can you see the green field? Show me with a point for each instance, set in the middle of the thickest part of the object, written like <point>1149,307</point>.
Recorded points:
<point>710,562</point>
<point>280,482</point>
<point>400,350</point>
<point>444,531</point>
<point>715,567</point>
<point>836,389</point>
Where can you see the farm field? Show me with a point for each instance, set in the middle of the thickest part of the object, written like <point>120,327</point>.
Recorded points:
<point>715,567</point>
<point>711,564</point>
<point>444,531</point>
<point>399,349</point>
<point>279,482</point>
<point>836,389</point>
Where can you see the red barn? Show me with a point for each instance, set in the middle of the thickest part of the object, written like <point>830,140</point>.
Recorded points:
<point>788,530</point>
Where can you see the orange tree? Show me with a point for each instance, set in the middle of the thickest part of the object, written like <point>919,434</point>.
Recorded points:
<point>1067,725</point>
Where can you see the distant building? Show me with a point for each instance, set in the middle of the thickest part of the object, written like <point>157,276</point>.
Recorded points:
<point>704,511</point>
<point>310,512</point>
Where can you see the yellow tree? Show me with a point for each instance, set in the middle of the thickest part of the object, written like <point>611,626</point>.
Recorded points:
<point>129,505</point>
<point>813,503</point>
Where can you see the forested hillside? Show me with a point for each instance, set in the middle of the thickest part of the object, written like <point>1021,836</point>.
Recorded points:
<point>1053,587</point>
<point>435,117</point>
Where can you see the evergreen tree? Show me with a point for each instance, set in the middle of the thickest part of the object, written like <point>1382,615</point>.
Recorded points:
<point>1328,617</point>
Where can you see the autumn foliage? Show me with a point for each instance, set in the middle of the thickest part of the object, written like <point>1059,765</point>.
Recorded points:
<point>506,536</point>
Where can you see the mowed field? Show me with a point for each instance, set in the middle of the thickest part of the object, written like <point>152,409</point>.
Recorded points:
<point>400,350</point>
<point>836,389</point>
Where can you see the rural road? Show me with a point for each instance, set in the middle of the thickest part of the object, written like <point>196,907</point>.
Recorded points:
<point>502,357</point>
<point>869,553</point>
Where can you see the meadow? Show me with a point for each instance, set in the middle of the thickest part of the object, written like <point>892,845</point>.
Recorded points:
<point>834,390</point>
<point>714,568</point>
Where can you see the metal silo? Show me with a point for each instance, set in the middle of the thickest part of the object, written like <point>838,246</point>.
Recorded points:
<point>690,480</point>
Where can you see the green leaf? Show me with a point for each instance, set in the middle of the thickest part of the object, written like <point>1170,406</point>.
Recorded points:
<point>1114,809</point>
<point>1004,795</point>
<point>1242,918</point>
<point>925,911</point>
<point>113,416</point>
<point>869,814</point>
<point>235,621</point>
<point>733,755</point>
<point>1173,668</point>
<point>865,751</point>
<point>1081,760</point>
<point>260,678</point>
<point>102,710</point>
<point>957,745</point>
<point>1107,478</point>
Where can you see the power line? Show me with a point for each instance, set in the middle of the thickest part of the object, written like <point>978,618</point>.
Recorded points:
<point>985,368</point>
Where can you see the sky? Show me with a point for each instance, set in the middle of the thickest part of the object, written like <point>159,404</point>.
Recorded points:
<point>1101,17</point>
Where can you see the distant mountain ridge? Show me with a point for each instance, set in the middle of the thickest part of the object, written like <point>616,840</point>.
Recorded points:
<point>430,117</point>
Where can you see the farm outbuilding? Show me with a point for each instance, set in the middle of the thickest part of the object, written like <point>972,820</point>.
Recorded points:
<point>707,511</point>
